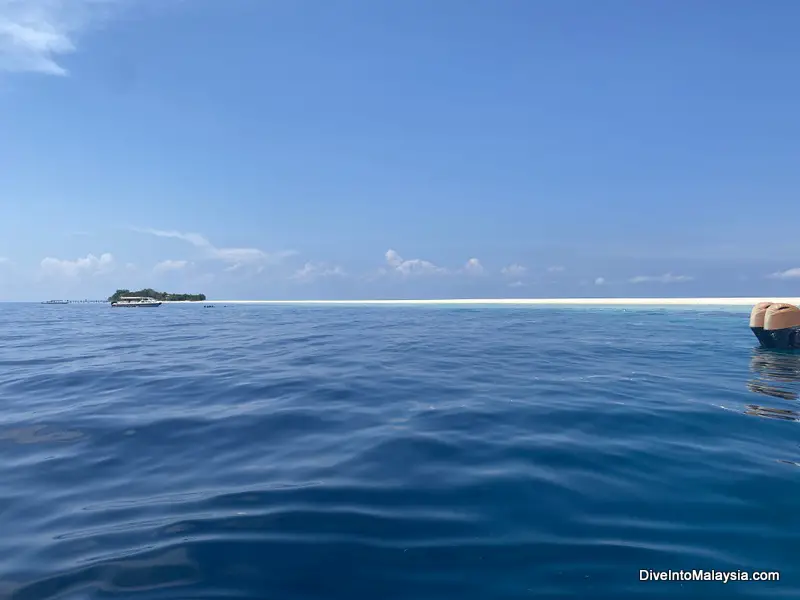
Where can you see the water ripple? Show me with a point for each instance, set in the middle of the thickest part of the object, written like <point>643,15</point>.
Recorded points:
<point>403,452</point>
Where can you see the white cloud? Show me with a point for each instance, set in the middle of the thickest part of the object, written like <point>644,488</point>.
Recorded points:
<point>666,278</point>
<point>514,270</point>
<point>34,34</point>
<point>311,271</point>
<point>516,284</point>
<point>170,265</point>
<point>91,265</point>
<point>415,266</point>
<point>787,274</point>
<point>193,238</point>
<point>599,281</point>
<point>555,269</point>
<point>473,266</point>
<point>235,257</point>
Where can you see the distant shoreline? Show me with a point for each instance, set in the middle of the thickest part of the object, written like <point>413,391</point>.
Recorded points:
<point>523,301</point>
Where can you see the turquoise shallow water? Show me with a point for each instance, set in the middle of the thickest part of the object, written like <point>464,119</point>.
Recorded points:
<point>302,453</point>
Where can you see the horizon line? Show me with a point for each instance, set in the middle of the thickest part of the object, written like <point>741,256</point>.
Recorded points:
<point>608,301</point>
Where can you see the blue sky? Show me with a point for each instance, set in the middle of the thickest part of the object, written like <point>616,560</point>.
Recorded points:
<point>399,148</point>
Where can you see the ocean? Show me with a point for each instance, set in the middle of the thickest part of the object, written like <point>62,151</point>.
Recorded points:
<point>394,452</point>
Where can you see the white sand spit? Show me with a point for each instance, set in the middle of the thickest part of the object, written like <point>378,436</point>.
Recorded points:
<point>528,301</point>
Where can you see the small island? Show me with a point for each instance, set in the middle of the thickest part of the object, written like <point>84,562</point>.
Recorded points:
<point>162,296</point>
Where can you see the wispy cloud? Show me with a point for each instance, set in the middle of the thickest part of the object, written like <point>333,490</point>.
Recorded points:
<point>90,265</point>
<point>170,265</point>
<point>414,266</point>
<point>555,269</point>
<point>235,257</point>
<point>787,274</point>
<point>666,278</point>
<point>35,34</point>
<point>193,238</point>
<point>600,281</point>
<point>516,284</point>
<point>514,270</point>
<point>417,266</point>
<point>473,267</point>
<point>311,271</point>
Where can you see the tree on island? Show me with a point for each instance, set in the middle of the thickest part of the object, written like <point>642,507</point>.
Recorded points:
<point>163,296</point>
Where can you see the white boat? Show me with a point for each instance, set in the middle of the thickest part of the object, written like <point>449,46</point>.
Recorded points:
<point>137,302</point>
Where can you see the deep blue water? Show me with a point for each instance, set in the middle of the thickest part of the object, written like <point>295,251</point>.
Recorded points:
<point>365,453</point>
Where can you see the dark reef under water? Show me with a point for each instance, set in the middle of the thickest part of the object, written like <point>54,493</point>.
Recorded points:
<point>306,453</point>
